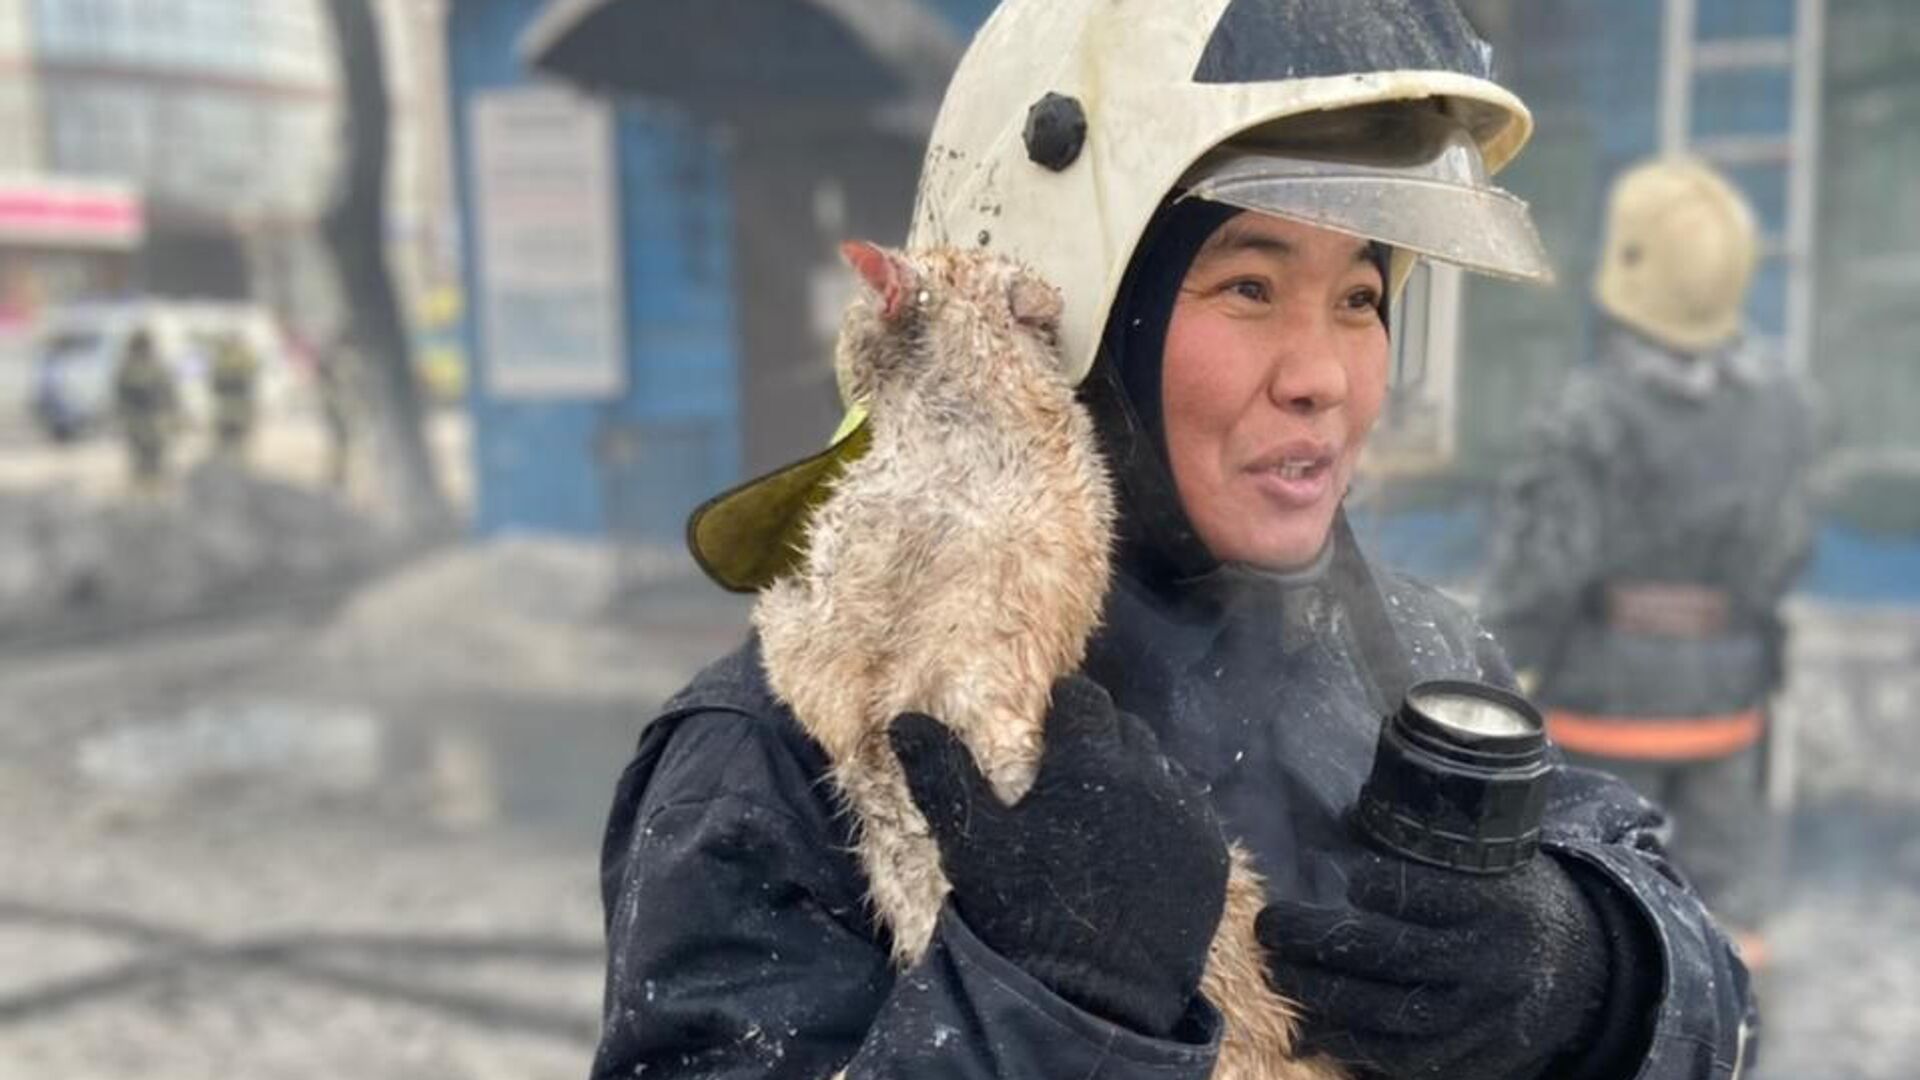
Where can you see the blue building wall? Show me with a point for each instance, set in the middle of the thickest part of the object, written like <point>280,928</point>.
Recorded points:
<point>636,463</point>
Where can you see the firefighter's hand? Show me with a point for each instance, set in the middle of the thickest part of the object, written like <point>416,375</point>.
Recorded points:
<point>1430,973</point>
<point>1105,881</point>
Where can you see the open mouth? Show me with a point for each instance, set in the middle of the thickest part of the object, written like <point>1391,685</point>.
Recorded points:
<point>1301,468</point>
<point>1296,478</point>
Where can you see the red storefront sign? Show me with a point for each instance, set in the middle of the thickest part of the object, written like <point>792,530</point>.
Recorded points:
<point>70,214</point>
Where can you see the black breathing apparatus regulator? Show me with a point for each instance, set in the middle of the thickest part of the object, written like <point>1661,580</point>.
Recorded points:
<point>1459,779</point>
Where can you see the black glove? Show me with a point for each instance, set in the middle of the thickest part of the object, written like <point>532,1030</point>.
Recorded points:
<point>1435,973</point>
<point>1105,881</point>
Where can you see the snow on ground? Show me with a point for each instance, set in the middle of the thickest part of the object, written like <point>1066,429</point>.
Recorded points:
<point>364,848</point>
<point>218,537</point>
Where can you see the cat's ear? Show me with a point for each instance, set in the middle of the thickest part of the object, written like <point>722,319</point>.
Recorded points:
<point>885,272</point>
<point>1035,303</point>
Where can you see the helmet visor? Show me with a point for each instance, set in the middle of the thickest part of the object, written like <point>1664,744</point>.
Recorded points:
<point>1408,178</point>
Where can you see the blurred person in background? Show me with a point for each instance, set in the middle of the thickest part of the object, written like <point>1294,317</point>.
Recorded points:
<point>235,376</point>
<point>1226,192</point>
<point>1647,536</point>
<point>147,407</point>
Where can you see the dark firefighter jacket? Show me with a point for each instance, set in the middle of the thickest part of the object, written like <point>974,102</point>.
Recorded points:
<point>146,399</point>
<point>740,945</point>
<point>1662,470</point>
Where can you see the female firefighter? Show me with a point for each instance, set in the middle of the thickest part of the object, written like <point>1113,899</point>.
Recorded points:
<point>1226,192</point>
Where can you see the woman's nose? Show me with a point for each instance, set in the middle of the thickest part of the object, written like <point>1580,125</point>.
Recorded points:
<point>1309,374</point>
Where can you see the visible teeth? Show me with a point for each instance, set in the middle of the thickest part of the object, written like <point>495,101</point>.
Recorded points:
<point>1295,470</point>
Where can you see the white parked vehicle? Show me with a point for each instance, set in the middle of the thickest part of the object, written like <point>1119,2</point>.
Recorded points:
<point>80,346</point>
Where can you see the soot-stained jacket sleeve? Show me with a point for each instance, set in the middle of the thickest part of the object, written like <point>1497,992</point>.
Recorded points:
<point>740,945</point>
<point>1698,1025</point>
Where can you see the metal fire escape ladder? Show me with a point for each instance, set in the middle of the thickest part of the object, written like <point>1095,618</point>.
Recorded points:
<point>1793,148</point>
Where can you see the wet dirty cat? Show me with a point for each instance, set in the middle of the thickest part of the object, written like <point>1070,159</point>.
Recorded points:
<point>957,569</point>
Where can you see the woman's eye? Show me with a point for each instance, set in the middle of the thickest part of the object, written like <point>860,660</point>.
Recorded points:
<point>1251,289</point>
<point>1367,298</point>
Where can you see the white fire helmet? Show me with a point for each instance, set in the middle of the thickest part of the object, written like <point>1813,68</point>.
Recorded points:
<point>1680,251</point>
<point>1243,89</point>
<point>1069,123</point>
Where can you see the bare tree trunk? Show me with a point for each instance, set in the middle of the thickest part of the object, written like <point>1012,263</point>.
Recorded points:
<point>354,230</point>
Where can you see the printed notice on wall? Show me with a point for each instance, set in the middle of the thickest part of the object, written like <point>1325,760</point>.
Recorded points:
<point>546,213</point>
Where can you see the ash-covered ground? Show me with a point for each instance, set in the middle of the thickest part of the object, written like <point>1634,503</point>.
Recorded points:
<point>359,843</point>
<point>358,839</point>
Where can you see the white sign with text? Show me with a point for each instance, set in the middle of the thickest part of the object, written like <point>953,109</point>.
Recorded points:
<point>547,212</point>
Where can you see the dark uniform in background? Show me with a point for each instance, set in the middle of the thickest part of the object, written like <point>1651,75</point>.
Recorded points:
<point>147,405</point>
<point>236,375</point>
<point>1645,540</point>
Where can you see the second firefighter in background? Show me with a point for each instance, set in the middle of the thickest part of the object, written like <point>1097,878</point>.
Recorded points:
<point>1646,537</point>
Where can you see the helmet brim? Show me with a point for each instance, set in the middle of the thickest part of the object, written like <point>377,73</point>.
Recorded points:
<point>1411,179</point>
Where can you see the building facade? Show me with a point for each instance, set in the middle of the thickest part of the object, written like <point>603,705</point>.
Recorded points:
<point>223,117</point>
<point>220,112</point>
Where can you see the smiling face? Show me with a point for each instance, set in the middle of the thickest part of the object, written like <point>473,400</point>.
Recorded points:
<point>1275,370</point>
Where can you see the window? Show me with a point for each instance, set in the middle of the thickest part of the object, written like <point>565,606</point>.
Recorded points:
<point>20,150</point>
<point>1417,430</point>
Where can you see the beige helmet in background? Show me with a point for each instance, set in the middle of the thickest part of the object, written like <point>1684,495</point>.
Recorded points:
<point>1069,123</point>
<point>1681,248</point>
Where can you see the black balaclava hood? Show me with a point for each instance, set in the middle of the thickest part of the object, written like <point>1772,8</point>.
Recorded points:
<point>1157,543</point>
